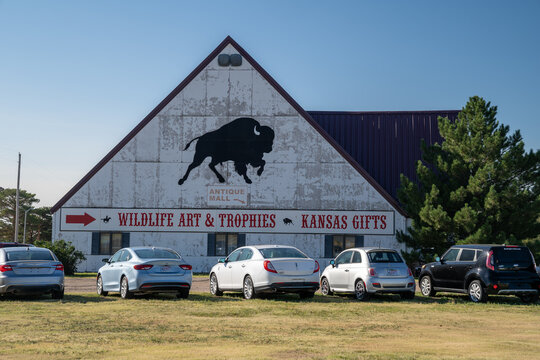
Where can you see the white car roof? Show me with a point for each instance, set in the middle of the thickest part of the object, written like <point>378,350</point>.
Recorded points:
<point>24,248</point>
<point>258,247</point>
<point>368,249</point>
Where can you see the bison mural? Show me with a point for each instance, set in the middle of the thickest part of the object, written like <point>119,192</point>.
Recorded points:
<point>243,141</point>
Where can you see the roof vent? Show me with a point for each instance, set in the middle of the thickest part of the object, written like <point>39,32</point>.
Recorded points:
<point>236,59</point>
<point>229,60</point>
<point>223,59</point>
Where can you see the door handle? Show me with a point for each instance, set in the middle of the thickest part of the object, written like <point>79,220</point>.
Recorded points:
<point>346,270</point>
<point>230,266</point>
<point>243,265</point>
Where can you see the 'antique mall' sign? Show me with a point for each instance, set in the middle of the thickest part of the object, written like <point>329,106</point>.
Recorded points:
<point>228,220</point>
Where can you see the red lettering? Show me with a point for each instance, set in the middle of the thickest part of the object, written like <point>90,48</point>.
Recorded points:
<point>245,218</point>
<point>169,219</point>
<point>344,222</point>
<point>230,220</point>
<point>383,221</point>
<point>222,218</point>
<point>137,222</point>
<point>197,218</point>
<point>304,221</point>
<point>272,220</point>
<point>122,218</point>
<point>252,220</point>
<point>182,220</point>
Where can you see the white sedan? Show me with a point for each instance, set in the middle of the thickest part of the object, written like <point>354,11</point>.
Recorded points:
<point>253,270</point>
<point>144,270</point>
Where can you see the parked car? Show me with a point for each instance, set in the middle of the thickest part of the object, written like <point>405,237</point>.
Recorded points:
<point>365,271</point>
<point>30,270</point>
<point>144,270</point>
<point>479,270</point>
<point>253,270</point>
<point>14,244</point>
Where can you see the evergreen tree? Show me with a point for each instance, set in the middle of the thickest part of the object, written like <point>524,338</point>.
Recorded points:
<point>7,212</point>
<point>478,186</point>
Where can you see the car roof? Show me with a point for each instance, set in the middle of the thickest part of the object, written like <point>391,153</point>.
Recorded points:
<point>482,246</point>
<point>147,247</point>
<point>14,244</point>
<point>24,248</point>
<point>368,249</point>
<point>259,247</point>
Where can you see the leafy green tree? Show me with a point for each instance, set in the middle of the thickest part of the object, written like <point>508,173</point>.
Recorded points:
<point>7,211</point>
<point>65,252</point>
<point>478,186</point>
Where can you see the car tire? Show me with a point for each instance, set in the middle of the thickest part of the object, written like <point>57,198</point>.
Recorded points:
<point>182,294</point>
<point>99,287</point>
<point>248,289</point>
<point>409,295</point>
<point>124,288</point>
<point>476,292</point>
<point>57,294</point>
<point>529,298</point>
<point>426,286</point>
<point>306,295</point>
<point>325,287</point>
<point>360,290</point>
<point>214,286</point>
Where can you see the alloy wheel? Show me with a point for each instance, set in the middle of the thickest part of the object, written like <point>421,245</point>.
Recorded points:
<point>425,286</point>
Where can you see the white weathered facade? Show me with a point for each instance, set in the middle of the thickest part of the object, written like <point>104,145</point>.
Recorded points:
<point>303,171</point>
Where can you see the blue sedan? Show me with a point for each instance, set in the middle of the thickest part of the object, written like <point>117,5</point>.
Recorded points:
<point>144,270</point>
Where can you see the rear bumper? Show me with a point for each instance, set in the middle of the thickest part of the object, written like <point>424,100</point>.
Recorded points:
<point>391,286</point>
<point>289,287</point>
<point>30,289</point>
<point>163,287</point>
<point>517,292</point>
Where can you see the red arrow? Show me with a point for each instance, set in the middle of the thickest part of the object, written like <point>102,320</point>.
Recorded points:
<point>79,219</point>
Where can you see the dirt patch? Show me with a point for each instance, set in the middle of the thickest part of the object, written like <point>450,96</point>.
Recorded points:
<point>88,284</point>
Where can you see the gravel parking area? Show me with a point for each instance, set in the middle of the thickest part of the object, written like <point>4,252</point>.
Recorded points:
<point>88,284</point>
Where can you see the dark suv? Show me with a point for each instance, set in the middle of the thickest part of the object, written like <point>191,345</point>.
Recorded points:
<point>479,270</point>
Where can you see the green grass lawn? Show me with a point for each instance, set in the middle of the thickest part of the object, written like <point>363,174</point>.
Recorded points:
<point>203,326</point>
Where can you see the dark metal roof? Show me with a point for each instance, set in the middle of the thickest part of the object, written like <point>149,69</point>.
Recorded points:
<point>386,143</point>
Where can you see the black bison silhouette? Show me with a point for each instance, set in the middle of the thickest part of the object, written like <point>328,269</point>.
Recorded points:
<point>243,141</point>
<point>288,221</point>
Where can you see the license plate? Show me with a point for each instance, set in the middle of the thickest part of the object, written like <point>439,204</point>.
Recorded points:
<point>165,268</point>
<point>391,272</point>
<point>297,279</point>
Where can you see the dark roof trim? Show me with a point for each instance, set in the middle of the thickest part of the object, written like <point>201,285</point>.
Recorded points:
<point>384,112</point>
<point>228,40</point>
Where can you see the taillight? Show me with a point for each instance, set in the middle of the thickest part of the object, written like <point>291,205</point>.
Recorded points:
<point>372,271</point>
<point>59,267</point>
<point>316,267</point>
<point>185,267</point>
<point>4,268</point>
<point>409,271</point>
<point>489,261</point>
<point>268,266</point>
<point>143,267</point>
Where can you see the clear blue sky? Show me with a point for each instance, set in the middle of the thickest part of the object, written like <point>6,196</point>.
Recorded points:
<point>77,76</point>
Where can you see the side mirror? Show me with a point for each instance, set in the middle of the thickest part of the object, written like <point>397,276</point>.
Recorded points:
<point>105,260</point>
<point>438,259</point>
<point>221,260</point>
<point>333,263</point>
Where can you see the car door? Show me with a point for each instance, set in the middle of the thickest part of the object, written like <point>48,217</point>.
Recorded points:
<point>240,268</point>
<point>340,276</point>
<point>355,267</point>
<point>225,276</point>
<point>444,272</point>
<point>108,272</point>
<point>464,264</point>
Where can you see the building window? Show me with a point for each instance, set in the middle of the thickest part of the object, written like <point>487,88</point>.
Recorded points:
<point>222,244</point>
<point>108,243</point>
<point>334,244</point>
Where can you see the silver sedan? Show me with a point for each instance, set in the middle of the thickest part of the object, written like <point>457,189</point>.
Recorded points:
<point>31,270</point>
<point>144,270</point>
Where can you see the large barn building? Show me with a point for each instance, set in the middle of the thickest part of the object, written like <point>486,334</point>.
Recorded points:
<point>229,158</point>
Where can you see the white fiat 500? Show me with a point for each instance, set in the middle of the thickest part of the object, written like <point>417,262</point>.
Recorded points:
<point>364,271</point>
<point>253,270</point>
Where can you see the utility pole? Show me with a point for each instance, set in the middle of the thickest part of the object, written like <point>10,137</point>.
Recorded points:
<point>16,235</point>
<point>24,231</point>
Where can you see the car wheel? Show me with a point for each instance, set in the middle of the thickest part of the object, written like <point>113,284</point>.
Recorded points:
<point>124,288</point>
<point>426,286</point>
<point>306,295</point>
<point>529,298</point>
<point>476,291</point>
<point>409,295</point>
<point>182,294</point>
<point>325,287</point>
<point>57,294</point>
<point>214,286</point>
<point>249,290</point>
<point>99,287</point>
<point>360,291</point>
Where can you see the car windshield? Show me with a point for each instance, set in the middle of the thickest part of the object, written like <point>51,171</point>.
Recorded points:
<point>384,257</point>
<point>512,255</point>
<point>29,255</point>
<point>272,253</point>
<point>156,254</point>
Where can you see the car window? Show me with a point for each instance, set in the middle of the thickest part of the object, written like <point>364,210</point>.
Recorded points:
<point>153,253</point>
<point>29,255</point>
<point>357,258</point>
<point>273,253</point>
<point>344,258</point>
<point>245,255</point>
<point>451,255</point>
<point>512,255</point>
<point>384,256</point>
<point>126,256</point>
<point>234,255</point>
<point>467,255</point>
<point>116,256</point>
